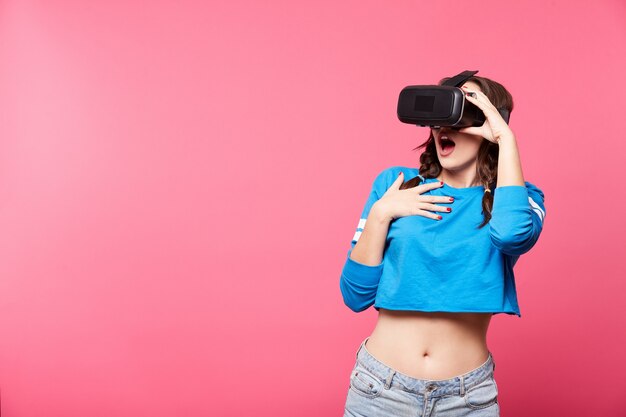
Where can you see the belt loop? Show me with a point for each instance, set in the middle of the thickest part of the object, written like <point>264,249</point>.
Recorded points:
<point>392,372</point>
<point>360,347</point>
<point>462,386</point>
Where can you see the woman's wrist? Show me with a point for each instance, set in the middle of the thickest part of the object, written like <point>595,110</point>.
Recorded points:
<point>379,214</point>
<point>506,140</point>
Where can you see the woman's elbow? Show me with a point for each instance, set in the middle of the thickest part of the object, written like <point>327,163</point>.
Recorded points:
<point>516,242</point>
<point>355,299</point>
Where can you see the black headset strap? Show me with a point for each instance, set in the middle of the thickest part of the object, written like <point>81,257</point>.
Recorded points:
<point>505,114</point>
<point>459,79</point>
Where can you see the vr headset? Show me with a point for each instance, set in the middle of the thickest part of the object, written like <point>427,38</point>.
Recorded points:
<point>441,105</point>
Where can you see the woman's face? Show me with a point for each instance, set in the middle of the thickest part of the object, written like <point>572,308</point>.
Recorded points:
<point>465,150</point>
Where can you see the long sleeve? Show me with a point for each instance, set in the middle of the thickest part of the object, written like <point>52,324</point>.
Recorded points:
<point>359,282</point>
<point>517,218</point>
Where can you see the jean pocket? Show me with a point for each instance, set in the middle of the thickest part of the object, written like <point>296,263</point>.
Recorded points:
<point>483,394</point>
<point>365,383</point>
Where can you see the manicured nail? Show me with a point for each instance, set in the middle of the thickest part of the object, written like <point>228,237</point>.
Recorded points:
<point>449,209</point>
<point>439,217</point>
<point>451,198</point>
<point>441,183</point>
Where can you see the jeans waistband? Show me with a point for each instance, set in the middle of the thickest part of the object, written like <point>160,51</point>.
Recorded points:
<point>434,387</point>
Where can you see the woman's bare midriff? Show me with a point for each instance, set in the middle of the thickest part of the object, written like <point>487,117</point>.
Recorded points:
<point>427,345</point>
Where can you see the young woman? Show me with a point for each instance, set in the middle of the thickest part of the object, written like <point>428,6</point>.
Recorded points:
<point>434,253</point>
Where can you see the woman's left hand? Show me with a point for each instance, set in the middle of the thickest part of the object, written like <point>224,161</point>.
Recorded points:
<point>494,128</point>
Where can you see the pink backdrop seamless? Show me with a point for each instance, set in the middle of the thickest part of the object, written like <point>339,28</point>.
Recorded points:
<point>180,182</point>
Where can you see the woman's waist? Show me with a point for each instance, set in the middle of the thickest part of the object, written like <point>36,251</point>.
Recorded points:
<point>430,345</point>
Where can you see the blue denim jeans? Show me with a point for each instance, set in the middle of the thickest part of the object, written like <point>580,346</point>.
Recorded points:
<point>377,390</point>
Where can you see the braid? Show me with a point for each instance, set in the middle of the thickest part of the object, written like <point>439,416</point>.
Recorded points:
<point>487,173</point>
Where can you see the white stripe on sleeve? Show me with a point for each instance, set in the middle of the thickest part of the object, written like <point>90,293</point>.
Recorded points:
<point>537,209</point>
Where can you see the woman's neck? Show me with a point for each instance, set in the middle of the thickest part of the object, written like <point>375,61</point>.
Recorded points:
<point>462,179</point>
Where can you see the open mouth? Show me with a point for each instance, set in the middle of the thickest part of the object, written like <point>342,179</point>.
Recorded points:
<point>447,144</point>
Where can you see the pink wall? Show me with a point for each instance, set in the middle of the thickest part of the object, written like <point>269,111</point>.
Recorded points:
<point>179,185</point>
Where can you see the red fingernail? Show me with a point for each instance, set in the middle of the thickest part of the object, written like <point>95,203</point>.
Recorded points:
<point>451,198</point>
<point>449,209</point>
<point>439,217</point>
<point>441,183</point>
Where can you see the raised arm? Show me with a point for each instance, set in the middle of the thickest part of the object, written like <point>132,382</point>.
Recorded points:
<point>518,206</point>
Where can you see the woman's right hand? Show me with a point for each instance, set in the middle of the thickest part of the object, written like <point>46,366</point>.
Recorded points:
<point>410,202</point>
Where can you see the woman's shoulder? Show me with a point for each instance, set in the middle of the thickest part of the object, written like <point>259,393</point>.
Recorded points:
<point>532,188</point>
<point>392,172</point>
<point>387,176</point>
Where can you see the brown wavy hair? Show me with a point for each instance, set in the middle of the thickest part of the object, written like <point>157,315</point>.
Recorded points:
<point>487,158</point>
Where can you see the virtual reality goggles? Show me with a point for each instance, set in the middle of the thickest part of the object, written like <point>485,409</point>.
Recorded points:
<point>441,105</point>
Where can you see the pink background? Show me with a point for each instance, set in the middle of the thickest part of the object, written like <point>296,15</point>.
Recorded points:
<point>180,182</point>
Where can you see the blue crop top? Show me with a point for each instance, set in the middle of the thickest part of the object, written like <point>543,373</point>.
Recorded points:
<point>448,264</point>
